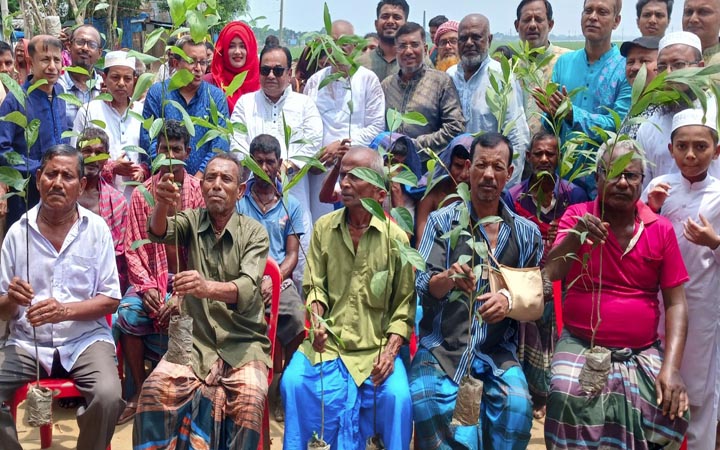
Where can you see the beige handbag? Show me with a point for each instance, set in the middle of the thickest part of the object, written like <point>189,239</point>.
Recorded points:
<point>525,286</point>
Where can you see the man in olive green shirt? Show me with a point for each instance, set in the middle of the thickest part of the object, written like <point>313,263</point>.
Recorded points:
<point>221,292</point>
<point>347,248</point>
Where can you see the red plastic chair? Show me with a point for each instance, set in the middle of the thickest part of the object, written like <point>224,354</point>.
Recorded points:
<point>273,271</point>
<point>61,387</point>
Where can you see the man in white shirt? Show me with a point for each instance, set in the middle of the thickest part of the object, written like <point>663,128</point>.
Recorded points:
<point>677,51</point>
<point>344,127</point>
<point>66,295</point>
<point>85,48</point>
<point>472,80</point>
<point>122,128</point>
<point>274,106</point>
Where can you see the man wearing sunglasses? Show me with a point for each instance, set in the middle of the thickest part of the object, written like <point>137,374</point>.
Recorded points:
<point>195,98</point>
<point>85,47</point>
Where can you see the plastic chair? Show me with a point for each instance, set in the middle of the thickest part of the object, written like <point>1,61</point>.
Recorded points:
<point>273,271</point>
<point>61,387</point>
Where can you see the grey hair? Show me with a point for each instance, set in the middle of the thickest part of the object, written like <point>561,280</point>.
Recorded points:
<point>613,145</point>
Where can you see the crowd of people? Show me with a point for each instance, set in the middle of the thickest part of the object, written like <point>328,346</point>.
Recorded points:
<point>137,206</point>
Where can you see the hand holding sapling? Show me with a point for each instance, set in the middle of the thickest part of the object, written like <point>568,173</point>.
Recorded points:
<point>46,311</point>
<point>20,292</point>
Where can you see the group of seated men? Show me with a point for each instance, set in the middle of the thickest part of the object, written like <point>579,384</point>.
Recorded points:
<point>193,241</point>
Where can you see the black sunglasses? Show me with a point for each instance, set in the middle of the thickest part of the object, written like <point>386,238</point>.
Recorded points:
<point>277,70</point>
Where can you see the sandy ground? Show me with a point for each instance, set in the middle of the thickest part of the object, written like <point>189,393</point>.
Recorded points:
<point>65,433</point>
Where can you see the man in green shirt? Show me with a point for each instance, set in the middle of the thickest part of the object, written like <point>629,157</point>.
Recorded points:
<point>347,248</point>
<point>223,390</point>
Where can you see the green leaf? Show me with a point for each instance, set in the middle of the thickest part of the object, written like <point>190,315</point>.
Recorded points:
<point>37,84</point>
<point>13,178</point>
<point>13,87</point>
<point>330,79</point>
<point>155,128</point>
<point>639,84</point>
<point>15,117</point>
<point>406,177</point>
<point>148,196</point>
<point>235,84</point>
<point>105,97</point>
<point>412,256</point>
<point>78,70</point>
<point>168,162</point>
<point>311,161</point>
<point>181,53</point>
<point>481,249</point>
<point>373,207</point>
<point>250,163</point>
<point>135,149</point>
<point>456,295</point>
<point>378,284</point>
<point>464,192</point>
<point>198,25</point>
<point>14,158</point>
<point>97,158</point>
<point>143,83</point>
<point>157,162</point>
<point>327,19</point>
<point>489,220</point>
<point>180,78</point>
<point>464,259</point>
<point>369,176</point>
<point>394,120</point>
<point>98,123</point>
<point>145,58</point>
<point>100,7</point>
<point>31,132</point>
<point>404,219</point>
<point>619,165</point>
<point>287,131</point>
<point>71,99</point>
<point>186,117</point>
<point>177,12</point>
<point>139,243</point>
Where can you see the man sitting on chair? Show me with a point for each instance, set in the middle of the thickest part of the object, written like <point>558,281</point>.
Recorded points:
<point>66,294</point>
<point>217,401</point>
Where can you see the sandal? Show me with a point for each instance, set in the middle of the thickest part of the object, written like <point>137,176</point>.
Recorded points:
<point>128,413</point>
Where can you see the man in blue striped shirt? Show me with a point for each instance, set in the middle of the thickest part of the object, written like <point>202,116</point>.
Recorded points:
<point>455,343</point>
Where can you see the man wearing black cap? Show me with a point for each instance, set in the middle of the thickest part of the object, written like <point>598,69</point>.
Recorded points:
<point>643,50</point>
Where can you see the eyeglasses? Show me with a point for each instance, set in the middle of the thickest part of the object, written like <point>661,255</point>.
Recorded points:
<point>413,45</point>
<point>445,42</point>
<point>195,62</point>
<point>80,43</point>
<point>630,177</point>
<point>278,71</point>
<point>677,65</point>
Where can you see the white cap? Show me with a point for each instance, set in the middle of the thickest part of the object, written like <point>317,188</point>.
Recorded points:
<point>689,117</point>
<point>681,37</point>
<point>119,58</point>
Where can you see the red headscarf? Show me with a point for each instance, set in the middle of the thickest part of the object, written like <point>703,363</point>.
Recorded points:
<point>221,70</point>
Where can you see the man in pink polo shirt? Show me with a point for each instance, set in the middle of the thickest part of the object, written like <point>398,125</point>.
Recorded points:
<point>623,392</point>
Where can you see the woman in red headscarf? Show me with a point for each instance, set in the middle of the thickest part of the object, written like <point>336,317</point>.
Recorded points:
<point>235,52</point>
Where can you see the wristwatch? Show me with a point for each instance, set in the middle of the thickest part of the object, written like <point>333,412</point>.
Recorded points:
<point>507,295</point>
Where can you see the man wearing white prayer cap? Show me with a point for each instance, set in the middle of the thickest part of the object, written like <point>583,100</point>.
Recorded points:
<point>690,199</point>
<point>123,129</point>
<point>677,50</point>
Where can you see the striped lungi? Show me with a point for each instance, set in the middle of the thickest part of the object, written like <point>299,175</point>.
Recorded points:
<point>177,410</point>
<point>536,345</point>
<point>623,416</point>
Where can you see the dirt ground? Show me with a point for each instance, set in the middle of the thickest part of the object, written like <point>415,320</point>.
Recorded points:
<point>65,433</point>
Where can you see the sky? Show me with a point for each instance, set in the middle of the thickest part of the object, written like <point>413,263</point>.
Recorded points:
<point>307,15</point>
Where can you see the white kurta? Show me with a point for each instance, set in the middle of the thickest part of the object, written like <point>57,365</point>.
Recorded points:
<point>699,366</point>
<point>654,138</point>
<point>122,130</point>
<point>362,126</point>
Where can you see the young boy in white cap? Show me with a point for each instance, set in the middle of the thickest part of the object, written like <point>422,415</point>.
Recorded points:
<point>691,200</point>
<point>123,129</point>
<point>676,51</point>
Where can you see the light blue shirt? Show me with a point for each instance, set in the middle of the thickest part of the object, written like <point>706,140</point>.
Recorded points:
<point>69,86</point>
<point>480,118</point>
<point>605,86</point>
<point>83,268</point>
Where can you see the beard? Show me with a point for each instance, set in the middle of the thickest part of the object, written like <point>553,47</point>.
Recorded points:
<point>446,63</point>
<point>472,62</point>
